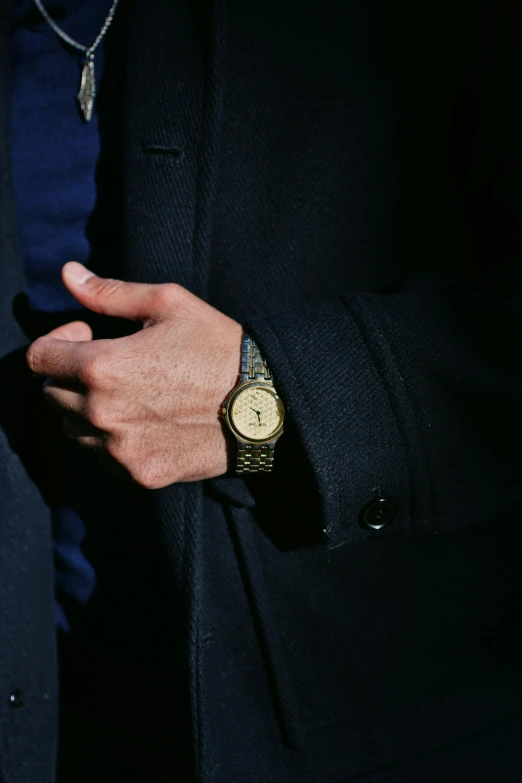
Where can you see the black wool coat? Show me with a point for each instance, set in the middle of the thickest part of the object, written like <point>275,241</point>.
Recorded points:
<point>344,179</point>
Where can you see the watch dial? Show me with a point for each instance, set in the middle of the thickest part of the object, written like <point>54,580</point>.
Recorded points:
<point>257,413</point>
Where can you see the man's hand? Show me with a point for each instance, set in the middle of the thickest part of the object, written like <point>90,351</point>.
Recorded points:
<point>149,402</point>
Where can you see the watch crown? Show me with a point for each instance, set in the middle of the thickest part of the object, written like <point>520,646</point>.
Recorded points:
<point>223,411</point>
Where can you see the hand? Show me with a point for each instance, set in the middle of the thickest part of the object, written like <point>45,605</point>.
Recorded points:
<point>149,402</point>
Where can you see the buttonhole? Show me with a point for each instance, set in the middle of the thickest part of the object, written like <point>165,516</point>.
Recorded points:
<point>175,153</point>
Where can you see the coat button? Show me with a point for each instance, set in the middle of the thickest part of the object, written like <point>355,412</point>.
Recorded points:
<point>377,514</point>
<point>16,699</point>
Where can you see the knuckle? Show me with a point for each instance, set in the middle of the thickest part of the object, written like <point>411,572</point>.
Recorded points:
<point>106,288</point>
<point>96,415</point>
<point>173,289</point>
<point>148,475</point>
<point>92,371</point>
<point>115,447</point>
<point>168,294</point>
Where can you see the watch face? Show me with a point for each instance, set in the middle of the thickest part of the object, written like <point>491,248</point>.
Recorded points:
<point>257,413</point>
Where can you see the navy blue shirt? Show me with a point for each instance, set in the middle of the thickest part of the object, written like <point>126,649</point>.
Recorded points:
<point>55,156</point>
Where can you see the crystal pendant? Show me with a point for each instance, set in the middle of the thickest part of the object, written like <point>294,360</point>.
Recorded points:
<point>87,92</point>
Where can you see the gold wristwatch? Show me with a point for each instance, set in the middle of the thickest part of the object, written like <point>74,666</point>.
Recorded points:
<point>254,412</point>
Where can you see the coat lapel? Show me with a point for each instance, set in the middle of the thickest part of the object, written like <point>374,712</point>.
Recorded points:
<point>173,103</point>
<point>174,100</point>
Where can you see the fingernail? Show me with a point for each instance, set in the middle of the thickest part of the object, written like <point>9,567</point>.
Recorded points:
<point>77,272</point>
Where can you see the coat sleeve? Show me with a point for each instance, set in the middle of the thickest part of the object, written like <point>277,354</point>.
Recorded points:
<point>415,396</point>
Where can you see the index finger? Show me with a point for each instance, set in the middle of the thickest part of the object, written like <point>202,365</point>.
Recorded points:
<point>62,360</point>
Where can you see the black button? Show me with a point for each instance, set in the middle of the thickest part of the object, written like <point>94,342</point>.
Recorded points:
<point>377,514</point>
<point>16,699</point>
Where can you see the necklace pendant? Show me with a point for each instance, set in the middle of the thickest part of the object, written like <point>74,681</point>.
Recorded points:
<point>87,92</point>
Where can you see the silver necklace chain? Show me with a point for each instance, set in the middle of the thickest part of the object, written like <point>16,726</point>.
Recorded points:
<point>87,91</point>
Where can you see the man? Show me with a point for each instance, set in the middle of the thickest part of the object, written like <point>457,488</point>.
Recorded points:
<point>339,185</point>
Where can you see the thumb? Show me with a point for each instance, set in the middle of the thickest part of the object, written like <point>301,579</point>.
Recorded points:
<point>74,332</point>
<point>135,301</point>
